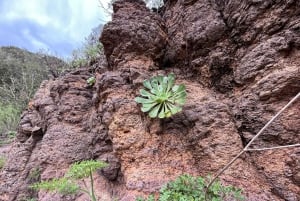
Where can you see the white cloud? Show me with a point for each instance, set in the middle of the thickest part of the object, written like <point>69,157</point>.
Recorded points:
<point>38,44</point>
<point>59,21</point>
<point>33,10</point>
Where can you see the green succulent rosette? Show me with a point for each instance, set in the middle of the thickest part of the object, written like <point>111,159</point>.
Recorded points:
<point>91,81</point>
<point>161,97</point>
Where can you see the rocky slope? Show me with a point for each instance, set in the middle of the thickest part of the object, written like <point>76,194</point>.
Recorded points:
<point>240,63</point>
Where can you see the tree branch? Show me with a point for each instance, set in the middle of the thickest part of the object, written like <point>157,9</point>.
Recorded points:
<point>248,145</point>
<point>273,118</point>
<point>271,148</point>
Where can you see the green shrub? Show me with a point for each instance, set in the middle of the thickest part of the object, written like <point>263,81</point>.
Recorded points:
<point>2,162</point>
<point>35,174</point>
<point>9,118</point>
<point>78,62</point>
<point>24,198</point>
<point>91,81</point>
<point>88,53</point>
<point>61,185</point>
<point>162,98</point>
<point>11,134</point>
<point>189,188</point>
<point>150,198</point>
<point>67,184</point>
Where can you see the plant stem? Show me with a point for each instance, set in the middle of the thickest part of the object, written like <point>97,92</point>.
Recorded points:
<point>271,148</point>
<point>85,191</point>
<point>92,187</point>
<point>248,145</point>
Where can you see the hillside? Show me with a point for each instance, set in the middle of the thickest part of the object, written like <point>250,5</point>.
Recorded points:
<point>21,73</point>
<point>14,60</point>
<point>239,61</point>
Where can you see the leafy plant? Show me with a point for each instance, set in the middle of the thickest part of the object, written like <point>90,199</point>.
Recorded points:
<point>89,51</point>
<point>35,174</point>
<point>21,73</point>
<point>61,185</point>
<point>2,162</point>
<point>150,198</point>
<point>28,199</point>
<point>91,81</point>
<point>162,98</point>
<point>189,188</point>
<point>67,184</point>
<point>9,118</point>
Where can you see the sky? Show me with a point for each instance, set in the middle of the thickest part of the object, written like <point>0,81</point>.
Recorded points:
<point>56,26</point>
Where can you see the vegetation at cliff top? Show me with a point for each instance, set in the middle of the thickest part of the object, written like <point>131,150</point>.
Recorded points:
<point>90,50</point>
<point>22,72</point>
<point>152,4</point>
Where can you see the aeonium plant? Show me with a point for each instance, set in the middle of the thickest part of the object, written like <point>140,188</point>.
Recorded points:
<point>161,97</point>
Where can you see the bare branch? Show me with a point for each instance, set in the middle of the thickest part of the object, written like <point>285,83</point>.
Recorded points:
<point>277,147</point>
<point>274,117</point>
<point>106,9</point>
<point>248,145</point>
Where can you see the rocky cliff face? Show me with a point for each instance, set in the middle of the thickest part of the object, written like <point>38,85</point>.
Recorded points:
<point>240,63</point>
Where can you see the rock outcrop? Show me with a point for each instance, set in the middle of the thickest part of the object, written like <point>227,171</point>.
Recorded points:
<point>240,63</point>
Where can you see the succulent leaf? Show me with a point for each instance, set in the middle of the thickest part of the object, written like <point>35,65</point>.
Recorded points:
<point>147,84</point>
<point>147,106</point>
<point>143,100</point>
<point>146,93</point>
<point>153,113</point>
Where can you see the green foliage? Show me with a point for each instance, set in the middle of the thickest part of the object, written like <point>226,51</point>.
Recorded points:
<point>90,50</point>
<point>189,188</point>
<point>162,98</point>
<point>9,119</point>
<point>21,73</point>
<point>67,184</point>
<point>2,162</point>
<point>83,169</point>
<point>91,81</point>
<point>7,137</point>
<point>24,198</point>
<point>88,53</point>
<point>11,134</point>
<point>35,174</point>
<point>61,185</point>
<point>150,198</point>
<point>78,62</point>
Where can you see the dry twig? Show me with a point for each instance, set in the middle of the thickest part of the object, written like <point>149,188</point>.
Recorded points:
<point>254,138</point>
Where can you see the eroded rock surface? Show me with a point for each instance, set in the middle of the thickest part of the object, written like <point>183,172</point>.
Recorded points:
<point>240,63</point>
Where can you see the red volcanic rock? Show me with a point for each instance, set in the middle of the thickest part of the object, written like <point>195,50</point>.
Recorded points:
<point>240,63</point>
